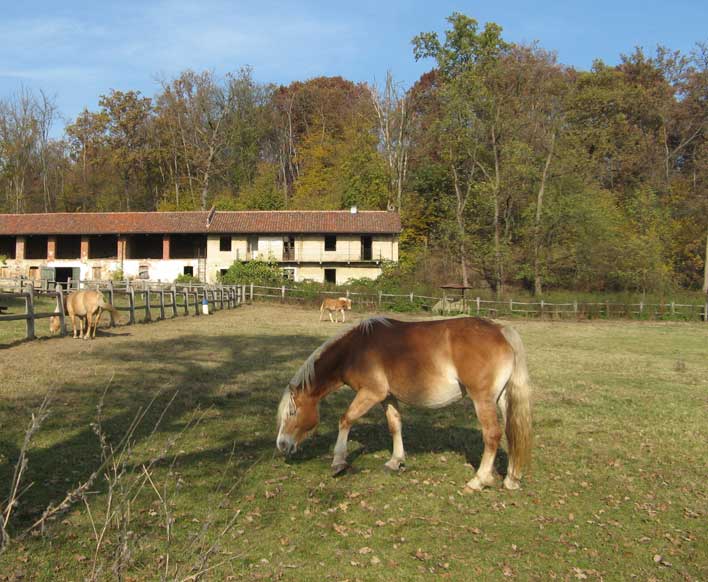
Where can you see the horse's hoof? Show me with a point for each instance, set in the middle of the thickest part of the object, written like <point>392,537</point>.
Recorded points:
<point>340,469</point>
<point>394,467</point>
<point>470,490</point>
<point>511,484</point>
<point>474,486</point>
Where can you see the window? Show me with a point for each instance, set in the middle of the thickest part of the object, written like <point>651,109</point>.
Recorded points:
<point>222,272</point>
<point>366,250</point>
<point>330,276</point>
<point>330,242</point>
<point>251,246</point>
<point>188,271</point>
<point>289,274</point>
<point>289,248</point>
<point>225,244</point>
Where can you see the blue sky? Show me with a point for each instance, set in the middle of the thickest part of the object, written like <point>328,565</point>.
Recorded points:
<point>76,50</point>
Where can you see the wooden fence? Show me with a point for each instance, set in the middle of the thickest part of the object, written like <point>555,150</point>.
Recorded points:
<point>146,301</point>
<point>446,305</point>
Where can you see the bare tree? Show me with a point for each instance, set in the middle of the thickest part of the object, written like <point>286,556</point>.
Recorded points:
<point>18,135</point>
<point>392,110</point>
<point>46,113</point>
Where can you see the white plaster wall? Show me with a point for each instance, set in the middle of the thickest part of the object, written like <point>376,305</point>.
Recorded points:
<point>217,259</point>
<point>344,273</point>
<point>158,269</point>
<point>270,246</point>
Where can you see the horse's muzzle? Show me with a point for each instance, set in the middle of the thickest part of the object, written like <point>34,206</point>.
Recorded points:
<point>286,446</point>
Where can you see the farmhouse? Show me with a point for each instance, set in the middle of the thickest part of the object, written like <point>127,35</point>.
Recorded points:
<point>331,246</point>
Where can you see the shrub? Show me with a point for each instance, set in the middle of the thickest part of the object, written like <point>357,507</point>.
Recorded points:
<point>187,279</point>
<point>258,272</point>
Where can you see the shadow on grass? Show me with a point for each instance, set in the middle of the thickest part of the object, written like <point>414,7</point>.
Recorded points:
<point>240,378</point>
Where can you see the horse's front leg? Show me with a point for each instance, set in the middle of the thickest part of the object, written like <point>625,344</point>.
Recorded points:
<point>393,416</point>
<point>362,403</point>
<point>97,319</point>
<point>87,334</point>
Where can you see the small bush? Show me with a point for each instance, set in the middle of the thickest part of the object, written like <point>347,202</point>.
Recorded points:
<point>259,272</point>
<point>187,279</point>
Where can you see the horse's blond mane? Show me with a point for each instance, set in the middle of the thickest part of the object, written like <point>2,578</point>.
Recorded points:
<point>305,376</point>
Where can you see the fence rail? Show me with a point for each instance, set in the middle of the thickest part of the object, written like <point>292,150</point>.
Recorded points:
<point>149,300</point>
<point>146,301</point>
<point>493,308</point>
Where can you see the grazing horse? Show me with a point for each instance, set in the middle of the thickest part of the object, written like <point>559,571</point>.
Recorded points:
<point>427,364</point>
<point>337,305</point>
<point>84,305</point>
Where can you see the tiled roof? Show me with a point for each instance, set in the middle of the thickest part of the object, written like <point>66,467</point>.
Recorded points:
<point>304,221</point>
<point>256,222</point>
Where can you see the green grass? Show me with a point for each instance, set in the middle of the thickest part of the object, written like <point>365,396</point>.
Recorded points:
<point>618,476</point>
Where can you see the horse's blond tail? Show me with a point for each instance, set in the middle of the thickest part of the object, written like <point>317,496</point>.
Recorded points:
<point>519,432</point>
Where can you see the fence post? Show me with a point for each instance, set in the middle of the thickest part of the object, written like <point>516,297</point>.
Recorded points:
<point>542,306</point>
<point>575,308</point>
<point>411,295</point>
<point>477,301</point>
<point>185,291</point>
<point>29,310</point>
<point>705,311</point>
<point>162,303</point>
<point>672,308</point>
<point>197,305</point>
<point>251,292</point>
<point>511,306</point>
<point>380,293</point>
<point>282,293</point>
<point>60,310</point>
<point>131,303</point>
<point>641,309</point>
<point>148,311</point>
<point>174,300</point>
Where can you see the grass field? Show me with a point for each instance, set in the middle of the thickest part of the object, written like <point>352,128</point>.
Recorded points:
<point>617,488</point>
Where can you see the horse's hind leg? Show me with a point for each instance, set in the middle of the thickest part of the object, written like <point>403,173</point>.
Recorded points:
<point>491,435</point>
<point>393,416</point>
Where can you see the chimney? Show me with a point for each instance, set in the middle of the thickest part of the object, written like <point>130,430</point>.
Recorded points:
<point>353,210</point>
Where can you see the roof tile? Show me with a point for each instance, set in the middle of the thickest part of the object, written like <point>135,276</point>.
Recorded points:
<point>251,222</point>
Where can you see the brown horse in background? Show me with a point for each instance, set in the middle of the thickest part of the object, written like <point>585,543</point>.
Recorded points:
<point>337,306</point>
<point>428,364</point>
<point>85,306</point>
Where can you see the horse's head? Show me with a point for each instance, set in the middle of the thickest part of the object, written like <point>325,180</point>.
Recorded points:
<point>54,325</point>
<point>346,303</point>
<point>298,415</point>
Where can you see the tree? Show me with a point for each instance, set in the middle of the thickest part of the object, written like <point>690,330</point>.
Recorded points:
<point>392,112</point>
<point>471,128</point>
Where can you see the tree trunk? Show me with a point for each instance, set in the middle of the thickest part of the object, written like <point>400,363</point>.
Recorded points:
<point>460,218</point>
<point>537,285</point>
<point>498,269</point>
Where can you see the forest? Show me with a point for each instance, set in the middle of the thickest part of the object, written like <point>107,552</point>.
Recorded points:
<point>509,169</point>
